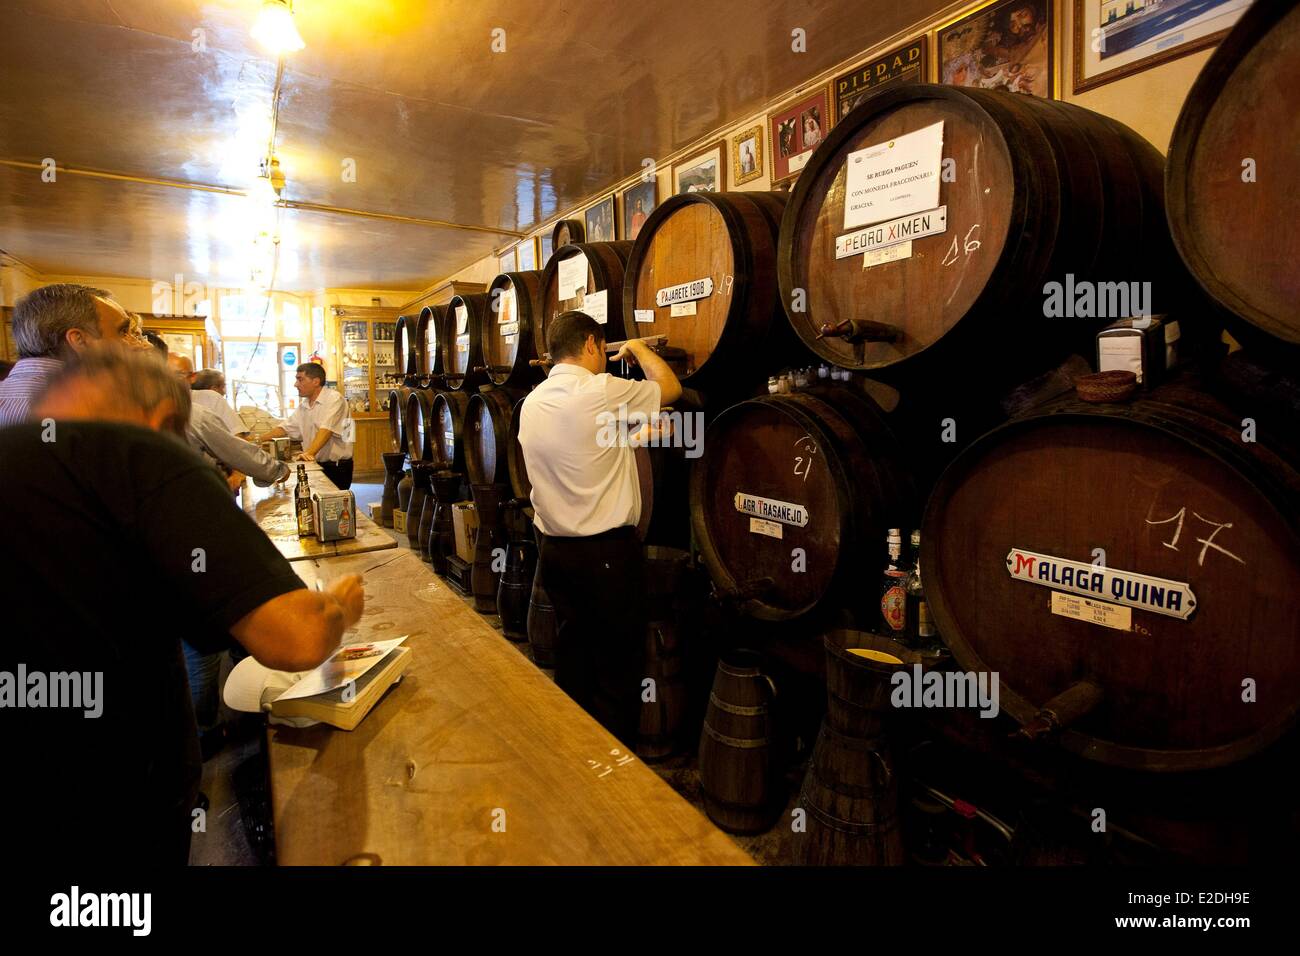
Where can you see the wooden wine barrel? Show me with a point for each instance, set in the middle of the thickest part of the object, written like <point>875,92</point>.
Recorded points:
<point>487,435</point>
<point>818,471</point>
<point>419,419</point>
<point>515,307</point>
<point>448,434</point>
<point>489,539</point>
<point>405,347</point>
<point>850,795</point>
<point>739,775</point>
<point>1234,213</point>
<point>397,416</point>
<point>542,624</point>
<point>1150,674</point>
<point>606,263</point>
<point>715,254</point>
<point>462,344</point>
<point>1040,191</point>
<point>429,332</point>
<point>518,468</point>
<point>568,231</point>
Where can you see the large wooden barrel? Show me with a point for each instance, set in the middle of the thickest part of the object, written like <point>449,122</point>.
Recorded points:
<point>397,417</point>
<point>1233,210</point>
<point>489,547</point>
<point>860,667</point>
<point>739,772</point>
<point>406,347</point>
<point>448,434</point>
<point>850,796</point>
<point>1037,192</point>
<point>713,256</point>
<point>792,498</point>
<point>515,309</point>
<point>487,435</point>
<point>462,342</point>
<point>419,422</point>
<point>606,263</point>
<point>1132,573</point>
<point>542,624</point>
<point>429,332</point>
<point>568,231</point>
<point>515,464</point>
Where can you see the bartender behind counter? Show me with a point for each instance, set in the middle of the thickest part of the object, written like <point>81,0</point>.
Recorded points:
<point>323,424</point>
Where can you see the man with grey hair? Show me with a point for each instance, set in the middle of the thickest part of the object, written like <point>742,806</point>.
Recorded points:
<point>209,390</point>
<point>123,507</point>
<point>50,325</point>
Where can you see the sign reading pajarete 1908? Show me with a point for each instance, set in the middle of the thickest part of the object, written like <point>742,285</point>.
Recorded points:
<point>906,64</point>
<point>1157,595</point>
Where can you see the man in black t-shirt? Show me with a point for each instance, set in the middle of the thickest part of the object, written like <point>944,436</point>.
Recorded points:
<point>103,500</point>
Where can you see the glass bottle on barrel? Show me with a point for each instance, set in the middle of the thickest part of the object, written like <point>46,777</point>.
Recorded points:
<point>302,504</point>
<point>918,626</point>
<point>893,596</point>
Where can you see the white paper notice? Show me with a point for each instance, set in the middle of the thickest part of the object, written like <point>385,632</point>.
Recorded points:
<point>644,315</point>
<point>682,308</point>
<point>1094,612</point>
<point>596,305</point>
<point>894,178</point>
<point>799,161</point>
<point>506,306</point>
<point>462,319</point>
<point>573,275</point>
<point>769,528</point>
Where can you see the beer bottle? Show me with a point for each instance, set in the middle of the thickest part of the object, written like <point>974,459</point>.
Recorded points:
<point>918,623</point>
<point>893,599</point>
<point>302,505</point>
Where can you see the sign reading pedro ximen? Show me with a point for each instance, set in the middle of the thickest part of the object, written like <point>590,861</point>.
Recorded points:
<point>904,64</point>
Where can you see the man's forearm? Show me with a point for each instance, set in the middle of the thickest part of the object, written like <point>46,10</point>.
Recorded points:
<point>276,432</point>
<point>317,443</point>
<point>657,370</point>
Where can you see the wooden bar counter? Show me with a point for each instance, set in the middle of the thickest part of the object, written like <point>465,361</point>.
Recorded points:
<point>274,513</point>
<point>475,758</point>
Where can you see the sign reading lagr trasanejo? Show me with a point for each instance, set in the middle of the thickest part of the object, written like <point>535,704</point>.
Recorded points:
<point>686,292</point>
<point>1157,595</point>
<point>772,510</point>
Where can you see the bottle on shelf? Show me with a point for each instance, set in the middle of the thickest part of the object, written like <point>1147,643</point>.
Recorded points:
<point>773,386</point>
<point>893,595</point>
<point>302,505</point>
<point>919,626</point>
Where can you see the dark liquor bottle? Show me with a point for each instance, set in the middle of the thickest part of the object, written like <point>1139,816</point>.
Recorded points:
<point>919,626</point>
<point>893,598</point>
<point>302,505</point>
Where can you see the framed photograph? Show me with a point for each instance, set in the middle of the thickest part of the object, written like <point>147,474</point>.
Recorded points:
<point>1116,38</point>
<point>904,64</point>
<point>705,172</point>
<point>638,202</point>
<point>1004,46</point>
<point>600,221</point>
<point>544,242</point>
<point>526,254</point>
<point>796,131</point>
<point>506,261</point>
<point>747,156</point>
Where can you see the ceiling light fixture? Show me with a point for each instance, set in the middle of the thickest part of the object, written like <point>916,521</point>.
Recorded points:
<point>275,30</point>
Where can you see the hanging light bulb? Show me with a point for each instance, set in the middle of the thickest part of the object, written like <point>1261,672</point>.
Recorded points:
<point>275,29</point>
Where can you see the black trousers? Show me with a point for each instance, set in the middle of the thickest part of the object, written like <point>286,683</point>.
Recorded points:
<point>597,586</point>
<point>339,472</point>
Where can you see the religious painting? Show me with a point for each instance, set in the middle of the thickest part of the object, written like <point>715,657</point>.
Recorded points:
<point>904,64</point>
<point>638,202</point>
<point>747,155</point>
<point>796,131</point>
<point>1005,46</point>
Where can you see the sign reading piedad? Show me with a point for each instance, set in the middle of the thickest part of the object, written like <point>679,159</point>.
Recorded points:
<point>1157,595</point>
<point>772,510</point>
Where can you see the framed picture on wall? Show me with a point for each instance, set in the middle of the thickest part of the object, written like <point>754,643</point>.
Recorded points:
<point>544,246</point>
<point>747,155</point>
<point>705,172</point>
<point>600,221</point>
<point>506,261</point>
<point>526,254</point>
<point>904,64</point>
<point>796,131</point>
<point>1004,46</point>
<point>1117,38</point>
<point>638,202</point>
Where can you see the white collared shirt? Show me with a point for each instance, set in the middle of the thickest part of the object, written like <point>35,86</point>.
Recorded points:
<point>329,410</point>
<point>216,403</point>
<point>582,485</point>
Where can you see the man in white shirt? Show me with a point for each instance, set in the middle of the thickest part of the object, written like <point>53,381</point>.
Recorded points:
<point>209,391</point>
<point>323,424</point>
<point>587,503</point>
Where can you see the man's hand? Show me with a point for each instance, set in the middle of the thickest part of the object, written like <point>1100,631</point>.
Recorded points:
<point>351,595</point>
<point>304,457</point>
<point>627,353</point>
<point>235,480</point>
